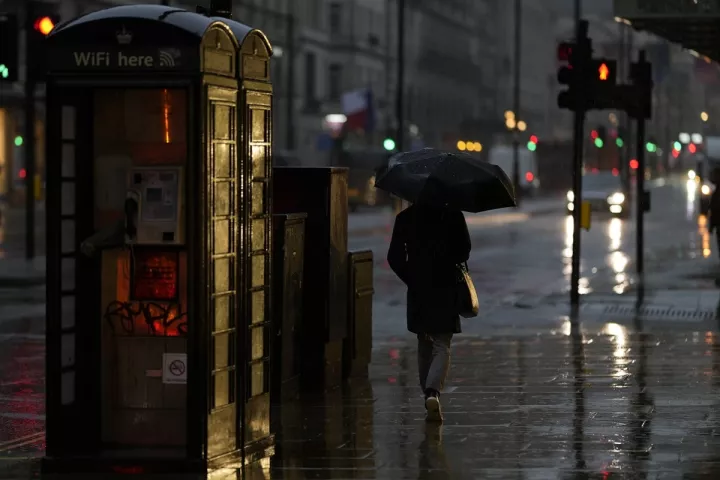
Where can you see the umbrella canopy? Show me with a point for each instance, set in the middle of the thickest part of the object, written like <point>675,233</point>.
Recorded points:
<point>439,178</point>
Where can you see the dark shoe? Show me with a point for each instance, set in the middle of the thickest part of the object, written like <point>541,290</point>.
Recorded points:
<point>432,405</point>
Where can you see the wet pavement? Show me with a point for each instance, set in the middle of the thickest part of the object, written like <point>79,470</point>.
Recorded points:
<point>615,392</point>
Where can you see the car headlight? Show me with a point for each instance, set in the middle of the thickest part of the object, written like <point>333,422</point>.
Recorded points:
<point>616,198</point>
<point>570,196</point>
<point>691,174</point>
<point>705,190</point>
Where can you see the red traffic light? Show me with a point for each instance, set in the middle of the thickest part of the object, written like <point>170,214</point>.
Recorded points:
<point>534,138</point>
<point>44,25</point>
<point>564,51</point>
<point>675,153</point>
<point>634,164</point>
<point>692,148</point>
<point>594,134</point>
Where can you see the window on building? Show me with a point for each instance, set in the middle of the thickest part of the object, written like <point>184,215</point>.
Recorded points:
<point>335,81</point>
<point>310,77</point>
<point>335,18</point>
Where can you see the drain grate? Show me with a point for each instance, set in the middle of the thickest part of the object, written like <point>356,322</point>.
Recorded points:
<point>660,312</point>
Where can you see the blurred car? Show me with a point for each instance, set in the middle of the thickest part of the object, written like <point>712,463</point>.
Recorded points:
<point>605,192</point>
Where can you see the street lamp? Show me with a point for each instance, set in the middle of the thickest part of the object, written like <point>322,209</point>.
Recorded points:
<point>704,116</point>
<point>522,126</point>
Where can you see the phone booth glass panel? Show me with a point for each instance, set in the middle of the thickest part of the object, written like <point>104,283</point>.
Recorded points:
<point>140,149</point>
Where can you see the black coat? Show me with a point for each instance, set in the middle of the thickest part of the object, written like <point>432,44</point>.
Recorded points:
<point>426,247</point>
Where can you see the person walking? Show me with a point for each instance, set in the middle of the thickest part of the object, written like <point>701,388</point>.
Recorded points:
<point>428,243</point>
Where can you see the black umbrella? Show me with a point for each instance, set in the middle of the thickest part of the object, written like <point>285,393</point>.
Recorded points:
<point>434,177</point>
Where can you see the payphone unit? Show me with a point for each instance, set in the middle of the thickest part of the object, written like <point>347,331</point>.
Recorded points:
<point>155,206</point>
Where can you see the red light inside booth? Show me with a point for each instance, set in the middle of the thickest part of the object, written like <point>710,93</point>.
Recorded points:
<point>634,164</point>
<point>615,172</point>
<point>22,173</point>
<point>692,148</point>
<point>155,276</point>
<point>595,170</point>
<point>529,176</point>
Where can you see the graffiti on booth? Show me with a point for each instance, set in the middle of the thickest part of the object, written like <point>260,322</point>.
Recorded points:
<point>146,318</point>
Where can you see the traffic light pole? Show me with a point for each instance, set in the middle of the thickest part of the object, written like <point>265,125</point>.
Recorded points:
<point>29,141</point>
<point>581,30</point>
<point>400,91</point>
<point>516,98</point>
<point>640,187</point>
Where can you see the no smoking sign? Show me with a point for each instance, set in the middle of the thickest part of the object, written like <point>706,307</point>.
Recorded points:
<point>174,368</point>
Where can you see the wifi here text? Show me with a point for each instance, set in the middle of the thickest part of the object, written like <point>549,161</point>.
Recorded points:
<point>122,60</point>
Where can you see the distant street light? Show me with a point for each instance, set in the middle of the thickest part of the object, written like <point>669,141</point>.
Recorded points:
<point>509,114</point>
<point>704,116</point>
<point>522,126</point>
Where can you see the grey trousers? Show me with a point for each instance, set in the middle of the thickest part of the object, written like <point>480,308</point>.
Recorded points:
<point>433,360</point>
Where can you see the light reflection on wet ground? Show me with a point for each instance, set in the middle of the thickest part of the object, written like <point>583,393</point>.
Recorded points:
<point>615,397</point>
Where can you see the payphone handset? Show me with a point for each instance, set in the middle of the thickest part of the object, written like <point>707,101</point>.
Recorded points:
<point>153,206</point>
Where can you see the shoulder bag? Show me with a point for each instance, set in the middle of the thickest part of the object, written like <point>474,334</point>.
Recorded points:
<point>468,304</point>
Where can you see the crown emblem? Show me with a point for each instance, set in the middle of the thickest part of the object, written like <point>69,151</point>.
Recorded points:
<point>123,36</point>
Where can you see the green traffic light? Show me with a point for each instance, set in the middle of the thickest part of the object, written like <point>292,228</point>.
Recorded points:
<point>677,146</point>
<point>4,71</point>
<point>532,146</point>
<point>389,144</point>
<point>18,141</point>
<point>599,143</point>
<point>619,142</point>
<point>650,147</point>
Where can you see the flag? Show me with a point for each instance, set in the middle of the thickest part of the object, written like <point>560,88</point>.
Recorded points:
<point>358,107</point>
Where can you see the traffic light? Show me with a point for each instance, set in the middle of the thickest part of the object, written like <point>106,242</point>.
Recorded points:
<point>41,20</point>
<point>600,84</point>
<point>389,144</point>
<point>532,143</point>
<point>19,141</point>
<point>692,148</point>
<point>598,136</point>
<point>621,136</point>
<point>641,75</point>
<point>8,48</point>
<point>568,74</point>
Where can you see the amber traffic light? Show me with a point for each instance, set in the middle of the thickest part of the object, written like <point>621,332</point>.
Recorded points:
<point>603,72</point>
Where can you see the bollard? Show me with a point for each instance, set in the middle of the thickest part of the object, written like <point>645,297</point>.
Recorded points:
<point>288,263</point>
<point>357,347</point>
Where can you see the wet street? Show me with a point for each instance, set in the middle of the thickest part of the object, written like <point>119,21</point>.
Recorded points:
<point>533,392</point>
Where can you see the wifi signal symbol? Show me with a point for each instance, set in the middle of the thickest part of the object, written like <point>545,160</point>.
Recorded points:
<point>166,59</point>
